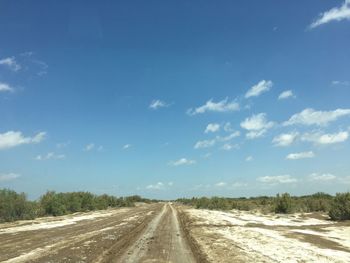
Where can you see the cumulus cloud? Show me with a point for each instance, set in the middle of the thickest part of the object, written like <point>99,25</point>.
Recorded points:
<point>228,137</point>
<point>340,83</point>
<point>257,125</point>
<point>89,147</point>
<point>301,155</point>
<point>156,186</point>
<point>159,186</point>
<point>324,139</point>
<point>278,179</point>
<point>8,177</point>
<point>126,146</point>
<point>11,63</point>
<point>12,139</point>
<point>322,177</point>
<point>182,161</point>
<point>285,139</point>
<point>228,127</point>
<point>211,106</point>
<point>261,87</point>
<point>321,118</point>
<point>49,156</point>
<point>249,159</point>
<point>4,87</point>
<point>229,147</point>
<point>286,94</point>
<point>156,104</point>
<point>204,144</point>
<point>212,127</point>
<point>334,14</point>
<point>221,184</point>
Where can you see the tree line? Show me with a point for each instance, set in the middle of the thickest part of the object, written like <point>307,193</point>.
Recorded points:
<point>16,206</point>
<point>337,207</point>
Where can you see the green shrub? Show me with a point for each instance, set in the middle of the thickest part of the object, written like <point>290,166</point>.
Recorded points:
<point>340,208</point>
<point>283,204</point>
<point>14,206</point>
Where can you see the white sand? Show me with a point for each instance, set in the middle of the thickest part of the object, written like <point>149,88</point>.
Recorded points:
<point>264,244</point>
<point>53,222</point>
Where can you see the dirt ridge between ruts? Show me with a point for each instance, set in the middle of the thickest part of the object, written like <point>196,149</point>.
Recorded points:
<point>185,225</point>
<point>124,243</point>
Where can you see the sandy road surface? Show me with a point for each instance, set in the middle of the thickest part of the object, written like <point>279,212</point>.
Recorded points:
<point>149,233</point>
<point>163,241</point>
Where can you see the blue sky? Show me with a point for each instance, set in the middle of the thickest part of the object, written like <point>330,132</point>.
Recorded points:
<point>175,98</point>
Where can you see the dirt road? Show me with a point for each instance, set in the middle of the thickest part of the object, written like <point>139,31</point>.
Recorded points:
<point>148,233</point>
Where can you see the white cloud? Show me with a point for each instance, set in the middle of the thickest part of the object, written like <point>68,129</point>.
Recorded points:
<point>212,127</point>
<point>49,156</point>
<point>212,142</point>
<point>157,186</point>
<point>228,137</point>
<point>204,144</point>
<point>257,125</point>
<point>5,87</point>
<point>255,134</point>
<point>8,177</point>
<point>340,83</point>
<point>126,146</point>
<point>322,177</point>
<point>89,147</point>
<point>278,179</point>
<point>261,87</point>
<point>321,118</point>
<point>286,94</point>
<point>301,155</point>
<point>229,147</point>
<point>220,184</point>
<point>345,180</point>
<point>334,14</point>
<point>328,138</point>
<point>210,105</point>
<point>206,156</point>
<point>15,138</point>
<point>156,104</point>
<point>182,161</point>
<point>228,127</point>
<point>11,63</point>
<point>62,145</point>
<point>249,159</point>
<point>285,139</point>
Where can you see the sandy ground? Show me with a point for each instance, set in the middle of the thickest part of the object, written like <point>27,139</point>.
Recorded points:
<point>238,236</point>
<point>146,233</point>
<point>166,232</point>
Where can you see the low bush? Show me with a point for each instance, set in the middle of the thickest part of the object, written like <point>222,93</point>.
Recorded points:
<point>283,203</point>
<point>15,206</point>
<point>340,208</point>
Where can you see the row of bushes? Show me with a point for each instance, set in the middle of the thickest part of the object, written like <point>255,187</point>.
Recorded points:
<point>338,207</point>
<point>15,206</point>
